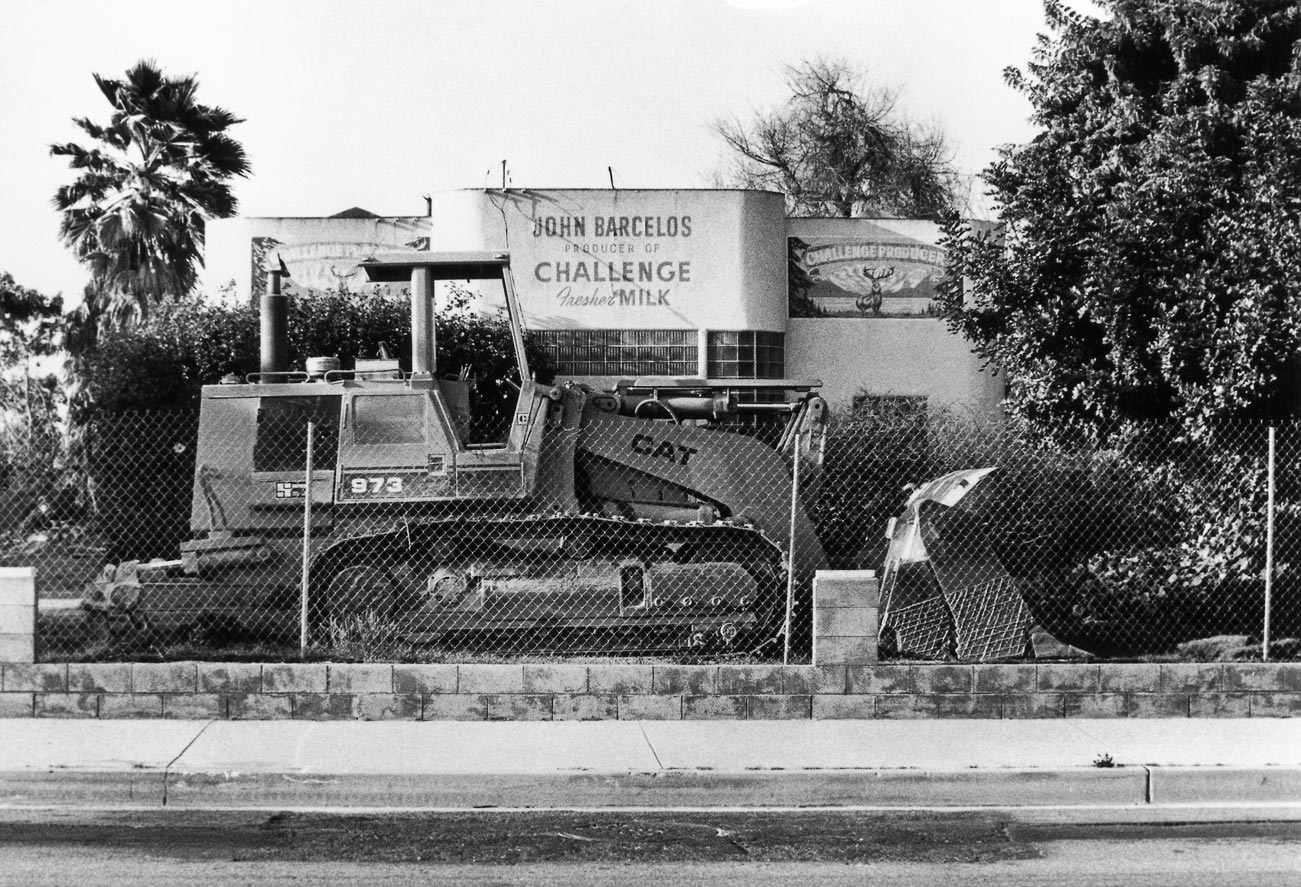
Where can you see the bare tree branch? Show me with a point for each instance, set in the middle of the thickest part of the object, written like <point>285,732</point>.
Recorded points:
<point>839,146</point>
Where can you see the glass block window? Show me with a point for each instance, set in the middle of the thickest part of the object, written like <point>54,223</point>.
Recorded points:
<point>746,354</point>
<point>621,352</point>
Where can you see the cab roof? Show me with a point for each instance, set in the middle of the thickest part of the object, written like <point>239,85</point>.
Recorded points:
<point>396,267</point>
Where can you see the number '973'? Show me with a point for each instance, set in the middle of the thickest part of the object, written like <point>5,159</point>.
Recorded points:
<point>372,486</point>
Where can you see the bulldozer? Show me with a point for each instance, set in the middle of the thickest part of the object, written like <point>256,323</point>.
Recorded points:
<point>649,516</point>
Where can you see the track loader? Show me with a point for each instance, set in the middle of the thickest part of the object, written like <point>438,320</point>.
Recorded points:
<point>636,518</point>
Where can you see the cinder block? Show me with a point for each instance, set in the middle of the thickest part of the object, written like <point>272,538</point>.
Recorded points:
<point>1095,705</point>
<point>620,680</point>
<point>555,678</point>
<point>845,588</point>
<point>945,679</point>
<point>455,707</point>
<point>747,679</point>
<point>1067,677</point>
<point>905,707</point>
<point>845,622</point>
<point>519,706</point>
<point>844,650</point>
<point>17,618</point>
<point>17,705</point>
<point>1251,676</point>
<point>839,706</point>
<point>1275,705</point>
<point>17,614</point>
<point>1129,677</point>
<point>294,677</point>
<point>780,708</point>
<point>18,647</point>
<point>230,677</point>
<point>1191,677</point>
<point>1033,705</point>
<point>420,679</point>
<point>130,705</point>
<point>650,708</point>
<point>17,586</point>
<point>322,706</point>
<point>259,706</point>
<point>164,677</point>
<point>883,678</point>
<point>714,708</point>
<point>38,677</point>
<point>99,677</point>
<point>194,706</point>
<point>359,677</point>
<point>1004,678</point>
<point>688,680</point>
<point>1156,705</point>
<point>967,705</point>
<point>491,679</point>
<point>1289,677</point>
<point>387,706</point>
<point>584,707</point>
<point>1219,705</point>
<point>1259,676</point>
<point>806,680</point>
<point>67,705</point>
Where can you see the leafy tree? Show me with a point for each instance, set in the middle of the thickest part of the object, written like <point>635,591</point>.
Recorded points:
<point>134,214</point>
<point>30,440</point>
<point>841,147</point>
<point>29,396</point>
<point>1148,264</point>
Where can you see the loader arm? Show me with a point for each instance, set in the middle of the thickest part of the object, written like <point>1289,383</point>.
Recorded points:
<point>745,479</point>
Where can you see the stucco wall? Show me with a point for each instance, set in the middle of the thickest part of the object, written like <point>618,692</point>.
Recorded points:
<point>716,259</point>
<point>890,356</point>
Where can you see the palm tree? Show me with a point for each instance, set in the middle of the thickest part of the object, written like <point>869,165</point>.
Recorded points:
<point>135,213</point>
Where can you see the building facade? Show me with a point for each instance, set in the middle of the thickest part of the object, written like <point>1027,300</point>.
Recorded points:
<point>702,283</point>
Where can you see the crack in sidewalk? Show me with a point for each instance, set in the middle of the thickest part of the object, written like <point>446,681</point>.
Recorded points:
<point>650,745</point>
<point>167,770</point>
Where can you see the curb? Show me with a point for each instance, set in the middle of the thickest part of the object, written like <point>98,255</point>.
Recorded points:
<point>667,788</point>
<point>681,788</point>
<point>1229,785</point>
<point>1138,787</point>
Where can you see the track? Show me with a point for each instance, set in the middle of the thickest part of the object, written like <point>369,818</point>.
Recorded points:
<point>537,582</point>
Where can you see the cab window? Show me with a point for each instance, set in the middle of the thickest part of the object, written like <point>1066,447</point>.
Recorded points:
<point>281,442</point>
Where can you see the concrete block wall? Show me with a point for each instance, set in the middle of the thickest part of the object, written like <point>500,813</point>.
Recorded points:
<point>362,691</point>
<point>17,614</point>
<point>845,681</point>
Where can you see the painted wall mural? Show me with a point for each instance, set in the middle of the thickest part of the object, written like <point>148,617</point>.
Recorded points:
<point>863,268</point>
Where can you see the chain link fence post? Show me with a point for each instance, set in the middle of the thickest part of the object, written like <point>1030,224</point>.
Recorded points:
<point>1269,547</point>
<point>790,546</point>
<point>307,538</point>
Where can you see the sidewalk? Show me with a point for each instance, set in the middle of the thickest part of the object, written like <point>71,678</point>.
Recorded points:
<point>451,765</point>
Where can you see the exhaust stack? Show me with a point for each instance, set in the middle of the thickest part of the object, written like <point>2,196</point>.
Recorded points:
<point>275,329</point>
<point>424,348</point>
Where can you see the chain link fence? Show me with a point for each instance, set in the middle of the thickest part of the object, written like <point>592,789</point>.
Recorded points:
<point>636,540</point>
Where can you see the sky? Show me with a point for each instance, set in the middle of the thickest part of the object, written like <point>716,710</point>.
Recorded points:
<point>377,103</point>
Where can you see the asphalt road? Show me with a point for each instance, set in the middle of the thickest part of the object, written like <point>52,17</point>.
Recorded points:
<point>41,848</point>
